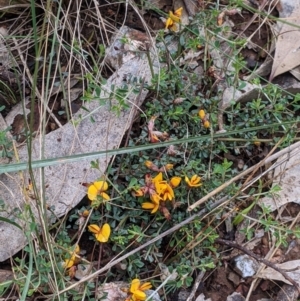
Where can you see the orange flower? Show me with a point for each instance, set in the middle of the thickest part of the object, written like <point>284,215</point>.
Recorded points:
<point>169,166</point>
<point>85,213</point>
<point>149,164</point>
<point>98,188</point>
<point>137,289</point>
<point>72,272</point>
<point>138,192</point>
<point>102,234</point>
<point>161,135</point>
<point>154,138</point>
<point>194,181</point>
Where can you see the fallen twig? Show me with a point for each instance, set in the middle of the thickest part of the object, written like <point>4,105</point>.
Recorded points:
<point>195,286</point>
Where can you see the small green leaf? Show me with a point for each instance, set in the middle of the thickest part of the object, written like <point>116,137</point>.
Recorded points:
<point>240,217</point>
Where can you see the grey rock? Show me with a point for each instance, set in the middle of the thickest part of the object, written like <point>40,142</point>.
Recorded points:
<point>245,265</point>
<point>235,297</point>
<point>103,133</point>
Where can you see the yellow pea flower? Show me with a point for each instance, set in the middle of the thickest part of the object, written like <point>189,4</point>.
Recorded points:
<point>168,193</point>
<point>194,181</point>
<point>158,178</point>
<point>160,187</point>
<point>77,249</point>
<point>155,198</point>
<point>163,189</point>
<point>174,18</point>
<point>149,205</point>
<point>169,166</point>
<point>159,190</point>
<point>175,181</point>
<point>69,262</point>
<point>102,234</point>
<point>98,188</point>
<point>137,289</point>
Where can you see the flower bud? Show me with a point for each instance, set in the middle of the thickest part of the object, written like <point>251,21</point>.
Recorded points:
<point>206,124</point>
<point>201,114</point>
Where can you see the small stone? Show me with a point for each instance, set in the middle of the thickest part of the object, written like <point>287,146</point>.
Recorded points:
<point>235,297</point>
<point>234,278</point>
<point>154,297</point>
<point>113,291</point>
<point>6,275</point>
<point>183,295</point>
<point>83,270</point>
<point>245,265</point>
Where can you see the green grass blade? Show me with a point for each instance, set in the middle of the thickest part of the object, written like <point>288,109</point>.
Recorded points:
<point>6,220</point>
<point>94,155</point>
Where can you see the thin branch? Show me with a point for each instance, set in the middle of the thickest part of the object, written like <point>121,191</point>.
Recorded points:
<point>195,286</point>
